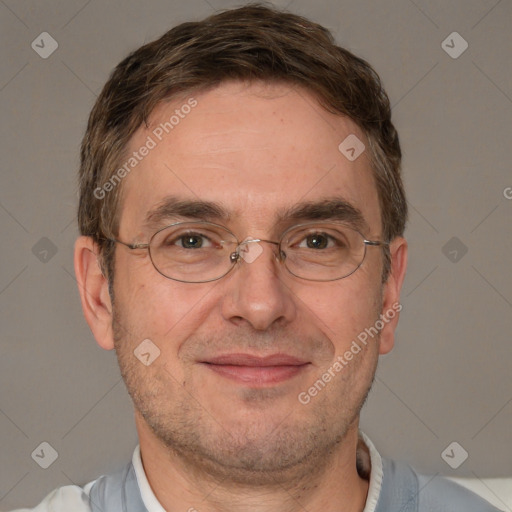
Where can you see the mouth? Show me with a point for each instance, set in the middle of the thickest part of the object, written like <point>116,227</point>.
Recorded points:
<point>256,371</point>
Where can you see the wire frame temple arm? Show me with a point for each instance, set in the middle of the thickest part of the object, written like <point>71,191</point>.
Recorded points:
<point>130,246</point>
<point>375,242</point>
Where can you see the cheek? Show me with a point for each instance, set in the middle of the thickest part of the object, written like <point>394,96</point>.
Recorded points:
<point>343,309</point>
<point>148,301</point>
<point>167,312</point>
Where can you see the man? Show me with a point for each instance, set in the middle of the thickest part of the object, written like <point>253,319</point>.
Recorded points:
<point>242,214</point>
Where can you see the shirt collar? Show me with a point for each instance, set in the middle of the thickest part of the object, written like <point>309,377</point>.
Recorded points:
<point>148,497</point>
<point>376,474</point>
<point>371,466</point>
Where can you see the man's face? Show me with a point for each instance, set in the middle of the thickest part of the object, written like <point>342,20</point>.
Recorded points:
<point>255,151</point>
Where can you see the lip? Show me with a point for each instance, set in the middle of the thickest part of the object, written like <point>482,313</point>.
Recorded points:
<point>254,370</point>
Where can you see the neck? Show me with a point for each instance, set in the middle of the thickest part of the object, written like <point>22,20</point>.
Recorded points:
<point>332,485</point>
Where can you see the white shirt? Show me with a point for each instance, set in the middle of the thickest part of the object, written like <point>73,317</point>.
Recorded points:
<point>71,497</point>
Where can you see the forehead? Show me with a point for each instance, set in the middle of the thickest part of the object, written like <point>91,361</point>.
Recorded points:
<point>255,150</point>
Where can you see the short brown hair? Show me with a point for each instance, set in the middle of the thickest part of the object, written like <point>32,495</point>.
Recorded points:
<point>254,42</point>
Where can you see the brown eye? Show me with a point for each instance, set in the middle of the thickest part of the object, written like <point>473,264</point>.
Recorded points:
<point>191,241</point>
<point>317,241</point>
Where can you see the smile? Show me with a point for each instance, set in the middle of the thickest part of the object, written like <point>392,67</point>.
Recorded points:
<point>256,371</point>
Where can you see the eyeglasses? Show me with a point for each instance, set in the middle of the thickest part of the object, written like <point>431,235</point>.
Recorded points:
<point>200,252</point>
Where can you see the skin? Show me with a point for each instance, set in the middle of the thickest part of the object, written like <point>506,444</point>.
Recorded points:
<point>208,442</point>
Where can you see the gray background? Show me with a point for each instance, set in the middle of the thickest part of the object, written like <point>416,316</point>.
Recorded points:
<point>448,378</point>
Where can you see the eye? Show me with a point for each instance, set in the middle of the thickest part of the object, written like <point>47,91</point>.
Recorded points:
<point>188,241</point>
<point>317,241</point>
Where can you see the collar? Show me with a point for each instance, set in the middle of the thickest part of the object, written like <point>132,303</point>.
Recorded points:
<point>148,497</point>
<point>369,463</point>
<point>372,463</point>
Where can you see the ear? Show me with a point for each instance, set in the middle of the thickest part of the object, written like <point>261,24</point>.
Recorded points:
<point>93,288</point>
<point>391,306</point>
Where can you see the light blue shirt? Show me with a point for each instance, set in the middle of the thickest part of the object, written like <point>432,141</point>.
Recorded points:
<point>393,487</point>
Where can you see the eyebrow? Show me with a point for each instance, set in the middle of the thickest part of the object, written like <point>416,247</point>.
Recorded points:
<point>173,209</point>
<point>330,209</point>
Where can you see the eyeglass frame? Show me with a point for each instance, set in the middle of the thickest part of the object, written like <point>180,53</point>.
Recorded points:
<point>235,255</point>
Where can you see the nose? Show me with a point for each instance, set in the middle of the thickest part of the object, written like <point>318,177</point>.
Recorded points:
<point>256,292</point>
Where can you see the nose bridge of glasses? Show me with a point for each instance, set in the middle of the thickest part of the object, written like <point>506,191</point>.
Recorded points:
<point>243,247</point>
<point>256,240</point>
